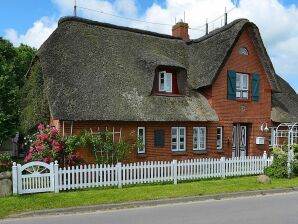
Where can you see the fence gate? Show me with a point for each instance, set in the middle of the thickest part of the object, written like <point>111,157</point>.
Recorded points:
<point>34,177</point>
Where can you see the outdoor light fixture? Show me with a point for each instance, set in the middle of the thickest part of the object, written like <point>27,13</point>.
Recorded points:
<point>262,128</point>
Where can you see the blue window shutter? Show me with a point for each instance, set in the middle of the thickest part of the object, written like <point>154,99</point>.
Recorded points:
<point>255,87</point>
<point>231,85</point>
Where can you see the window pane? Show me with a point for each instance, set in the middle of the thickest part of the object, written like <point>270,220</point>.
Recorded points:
<point>141,132</point>
<point>195,138</point>
<point>174,139</point>
<point>245,82</point>
<point>181,139</point>
<point>219,138</point>
<point>161,81</point>
<point>168,82</point>
<point>238,94</point>
<point>174,131</point>
<point>141,137</point>
<point>202,138</point>
<point>245,95</point>
<point>182,130</point>
<point>238,81</point>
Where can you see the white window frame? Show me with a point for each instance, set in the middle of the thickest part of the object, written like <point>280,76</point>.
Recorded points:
<point>219,147</point>
<point>272,136</point>
<point>177,136</point>
<point>142,150</point>
<point>167,82</point>
<point>199,138</point>
<point>241,90</point>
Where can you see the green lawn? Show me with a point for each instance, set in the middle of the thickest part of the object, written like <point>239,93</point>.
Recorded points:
<point>23,203</point>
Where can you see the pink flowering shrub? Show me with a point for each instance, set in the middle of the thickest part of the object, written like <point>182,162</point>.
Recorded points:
<point>47,145</point>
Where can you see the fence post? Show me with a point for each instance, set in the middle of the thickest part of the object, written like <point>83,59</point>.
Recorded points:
<point>174,164</point>
<point>19,177</point>
<point>271,159</point>
<point>56,177</point>
<point>14,178</point>
<point>264,160</point>
<point>223,167</point>
<point>119,175</point>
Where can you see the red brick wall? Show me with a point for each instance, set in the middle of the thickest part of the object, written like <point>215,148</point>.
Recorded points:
<point>229,111</point>
<point>55,123</point>
<point>152,152</point>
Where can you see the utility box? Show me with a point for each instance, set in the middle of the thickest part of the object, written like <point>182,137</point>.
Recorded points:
<point>260,140</point>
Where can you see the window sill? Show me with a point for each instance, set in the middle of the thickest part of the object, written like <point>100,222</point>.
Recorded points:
<point>219,150</point>
<point>181,153</point>
<point>200,152</point>
<point>243,100</point>
<point>168,94</point>
<point>141,155</point>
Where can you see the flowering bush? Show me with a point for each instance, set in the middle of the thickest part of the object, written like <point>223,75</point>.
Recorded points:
<point>5,162</point>
<point>47,146</point>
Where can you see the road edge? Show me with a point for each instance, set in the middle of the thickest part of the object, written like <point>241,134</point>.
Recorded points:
<point>133,204</point>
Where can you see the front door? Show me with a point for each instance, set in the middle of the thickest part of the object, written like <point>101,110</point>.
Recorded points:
<point>239,147</point>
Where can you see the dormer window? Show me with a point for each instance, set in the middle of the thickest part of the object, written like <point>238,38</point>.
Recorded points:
<point>169,81</point>
<point>165,82</point>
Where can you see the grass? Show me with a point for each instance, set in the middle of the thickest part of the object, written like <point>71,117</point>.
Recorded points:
<point>24,203</point>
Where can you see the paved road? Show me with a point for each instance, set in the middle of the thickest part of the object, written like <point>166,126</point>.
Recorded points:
<point>279,209</point>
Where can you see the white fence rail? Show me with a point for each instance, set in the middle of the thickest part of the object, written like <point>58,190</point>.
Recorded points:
<point>48,177</point>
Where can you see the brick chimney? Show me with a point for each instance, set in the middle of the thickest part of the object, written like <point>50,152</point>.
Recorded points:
<point>180,29</point>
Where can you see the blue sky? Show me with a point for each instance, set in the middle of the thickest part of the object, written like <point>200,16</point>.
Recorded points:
<point>21,14</point>
<point>32,21</point>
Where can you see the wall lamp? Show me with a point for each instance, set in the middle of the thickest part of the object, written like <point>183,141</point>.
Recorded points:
<point>264,127</point>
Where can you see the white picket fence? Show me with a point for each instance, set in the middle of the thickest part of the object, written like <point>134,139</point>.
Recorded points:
<point>89,176</point>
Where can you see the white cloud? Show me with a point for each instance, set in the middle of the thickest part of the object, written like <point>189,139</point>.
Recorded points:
<point>35,35</point>
<point>277,23</point>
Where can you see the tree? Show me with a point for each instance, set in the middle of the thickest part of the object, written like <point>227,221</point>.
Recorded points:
<point>9,103</point>
<point>14,63</point>
<point>22,62</point>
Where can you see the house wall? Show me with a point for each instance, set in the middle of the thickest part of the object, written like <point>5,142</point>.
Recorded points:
<point>152,152</point>
<point>242,111</point>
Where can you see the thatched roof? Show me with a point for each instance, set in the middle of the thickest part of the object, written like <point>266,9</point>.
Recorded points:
<point>99,71</point>
<point>96,71</point>
<point>284,104</point>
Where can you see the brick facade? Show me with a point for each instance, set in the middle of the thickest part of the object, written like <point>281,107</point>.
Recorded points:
<point>243,111</point>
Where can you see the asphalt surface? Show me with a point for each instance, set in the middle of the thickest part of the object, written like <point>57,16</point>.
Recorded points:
<point>277,208</point>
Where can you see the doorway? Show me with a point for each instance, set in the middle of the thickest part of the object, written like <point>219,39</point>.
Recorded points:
<point>239,140</point>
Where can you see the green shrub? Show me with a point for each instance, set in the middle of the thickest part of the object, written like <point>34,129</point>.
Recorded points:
<point>34,101</point>
<point>105,150</point>
<point>279,167</point>
<point>5,162</point>
<point>294,167</point>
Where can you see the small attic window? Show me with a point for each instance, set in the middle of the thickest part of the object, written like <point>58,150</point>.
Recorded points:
<point>168,80</point>
<point>243,51</point>
<point>165,82</point>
